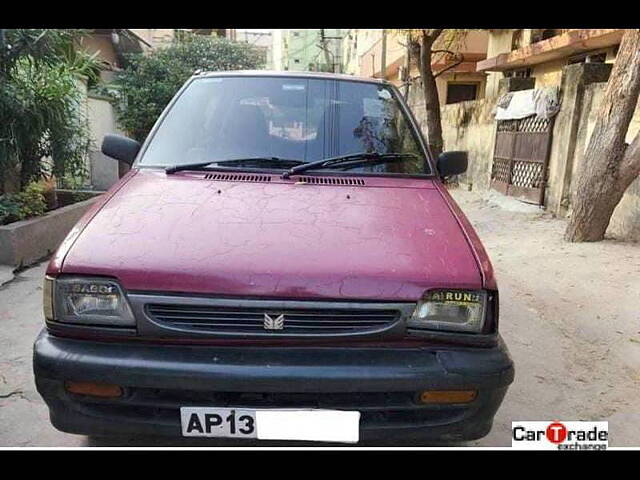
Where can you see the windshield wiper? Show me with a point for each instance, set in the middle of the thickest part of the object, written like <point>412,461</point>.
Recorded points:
<point>348,161</point>
<point>202,165</point>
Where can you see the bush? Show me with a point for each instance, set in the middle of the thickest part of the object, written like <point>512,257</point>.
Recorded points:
<point>9,209</point>
<point>41,106</point>
<point>148,83</point>
<point>26,204</point>
<point>32,200</point>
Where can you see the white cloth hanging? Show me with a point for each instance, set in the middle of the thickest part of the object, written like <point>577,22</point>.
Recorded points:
<point>542,102</point>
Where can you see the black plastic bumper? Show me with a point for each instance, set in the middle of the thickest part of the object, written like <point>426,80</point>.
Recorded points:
<point>381,383</point>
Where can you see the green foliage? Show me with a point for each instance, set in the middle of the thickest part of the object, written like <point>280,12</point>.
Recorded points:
<point>28,203</point>
<point>9,209</point>
<point>41,105</point>
<point>149,82</point>
<point>32,200</point>
<point>82,196</point>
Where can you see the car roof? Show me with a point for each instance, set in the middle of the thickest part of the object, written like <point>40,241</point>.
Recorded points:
<point>290,74</point>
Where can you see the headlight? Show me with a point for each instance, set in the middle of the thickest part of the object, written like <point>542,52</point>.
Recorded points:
<point>87,301</point>
<point>450,310</point>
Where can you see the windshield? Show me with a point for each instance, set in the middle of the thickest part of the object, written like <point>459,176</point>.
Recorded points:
<point>303,119</point>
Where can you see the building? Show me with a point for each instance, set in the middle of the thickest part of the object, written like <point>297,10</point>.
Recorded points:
<point>382,54</point>
<point>161,37</point>
<point>308,50</point>
<point>541,54</point>
<point>261,39</point>
<point>537,158</point>
<point>112,45</point>
<point>355,43</point>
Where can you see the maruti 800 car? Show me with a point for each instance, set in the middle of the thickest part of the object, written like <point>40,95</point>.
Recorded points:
<point>282,261</point>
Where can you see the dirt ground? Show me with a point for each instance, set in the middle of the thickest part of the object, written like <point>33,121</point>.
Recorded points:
<point>569,314</point>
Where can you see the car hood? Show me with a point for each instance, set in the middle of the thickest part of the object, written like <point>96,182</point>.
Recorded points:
<point>389,239</point>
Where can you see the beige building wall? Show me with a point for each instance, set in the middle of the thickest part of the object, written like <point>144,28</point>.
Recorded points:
<point>547,74</point>
<point>550,73</point>
<point>369,52</point>
<point>475,42</point>
<point>156,37</point>
<point>102,120</point>
<point>499,41</point>
<point>102,44</point>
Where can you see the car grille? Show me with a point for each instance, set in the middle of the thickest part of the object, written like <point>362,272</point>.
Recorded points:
<point>261,320</point>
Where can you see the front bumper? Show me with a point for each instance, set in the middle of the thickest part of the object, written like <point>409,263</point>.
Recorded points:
<point>381,383</point>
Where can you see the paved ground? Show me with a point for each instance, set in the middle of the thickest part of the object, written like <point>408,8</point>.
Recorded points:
<point>6,274</point>
<point>568,313</point>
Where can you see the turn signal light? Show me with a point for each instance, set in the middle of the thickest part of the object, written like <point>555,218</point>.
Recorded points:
<point>105,390</point>
<point>448,396</point>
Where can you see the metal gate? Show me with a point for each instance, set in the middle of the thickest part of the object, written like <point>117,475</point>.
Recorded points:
<point>520,158</point>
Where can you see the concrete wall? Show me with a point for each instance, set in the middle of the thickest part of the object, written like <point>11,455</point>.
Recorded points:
<point>471,127</point>
<point>28,241</point>
<point>567,137</point>
<point>548,74</point>
<point>468,126</point>
<point>102,120</point>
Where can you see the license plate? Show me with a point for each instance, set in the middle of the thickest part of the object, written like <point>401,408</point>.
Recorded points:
<point>271,424</point>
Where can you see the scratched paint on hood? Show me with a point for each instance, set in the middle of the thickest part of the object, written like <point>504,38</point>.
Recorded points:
<point>182,233</point>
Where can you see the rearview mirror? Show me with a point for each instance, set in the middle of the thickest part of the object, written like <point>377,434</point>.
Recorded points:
<point>452,163</point>
<point>121,148</point>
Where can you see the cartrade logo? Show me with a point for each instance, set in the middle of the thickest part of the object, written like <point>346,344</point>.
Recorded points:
<point>558,435</point>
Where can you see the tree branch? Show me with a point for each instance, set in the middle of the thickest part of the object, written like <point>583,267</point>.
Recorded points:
<point>458,61</point>
<point>433,34</point>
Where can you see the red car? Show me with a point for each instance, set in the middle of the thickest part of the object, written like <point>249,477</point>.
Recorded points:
<point>282,262</point>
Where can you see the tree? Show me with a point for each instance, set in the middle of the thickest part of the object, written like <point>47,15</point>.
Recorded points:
<point>40,100</point>
<point>148,83</point>
<point>421,45</point>
<point>609,165</point>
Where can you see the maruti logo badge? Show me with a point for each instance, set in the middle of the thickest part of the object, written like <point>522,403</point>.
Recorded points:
<point>271,323</point>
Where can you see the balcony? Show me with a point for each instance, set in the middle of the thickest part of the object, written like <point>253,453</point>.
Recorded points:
<point>570,43</point>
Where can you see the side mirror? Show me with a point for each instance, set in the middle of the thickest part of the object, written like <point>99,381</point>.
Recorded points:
<point>452,163</point>
<point>121,148</point>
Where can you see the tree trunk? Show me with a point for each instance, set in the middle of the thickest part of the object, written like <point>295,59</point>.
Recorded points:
<point>609,165</point>
<point>430,91</point>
